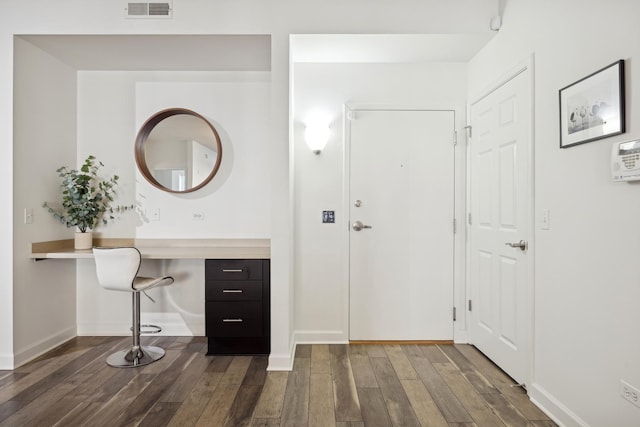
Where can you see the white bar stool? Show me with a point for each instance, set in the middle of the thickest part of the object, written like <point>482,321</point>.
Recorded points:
<point>117,270</point>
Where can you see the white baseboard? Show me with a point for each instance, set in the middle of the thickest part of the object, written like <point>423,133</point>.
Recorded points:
<point>280,362</point>
<point>320,337</point>
<point>551,406</point>
<point>122,329</point>
<point>284,361</point>
<point>172,324</point>
<point>460,337</point>
<point>6,362</point>
<point>39,348</point>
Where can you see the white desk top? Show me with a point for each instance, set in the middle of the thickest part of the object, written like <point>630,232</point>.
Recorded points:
<point>162,248</point>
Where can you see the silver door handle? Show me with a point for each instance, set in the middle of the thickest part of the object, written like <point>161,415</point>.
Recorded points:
<point>521,244</point>
<point>358,225</point>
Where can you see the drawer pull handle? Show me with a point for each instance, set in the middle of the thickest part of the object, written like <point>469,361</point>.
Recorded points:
<point>232,270</point>
<point>232,320</point>
<point>232,291</point>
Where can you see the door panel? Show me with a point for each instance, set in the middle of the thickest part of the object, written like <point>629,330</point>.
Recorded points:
<point>401,269</point>
<point>508,300</point>
<point>508,196</point>
<point>484,281</point>
<point>500,207</point>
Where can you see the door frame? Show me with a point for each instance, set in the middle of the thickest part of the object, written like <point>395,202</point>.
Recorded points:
<point>526,65</point>
<point>459,208</point>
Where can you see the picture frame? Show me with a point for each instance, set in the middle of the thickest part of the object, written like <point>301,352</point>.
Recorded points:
<point>593,107</point>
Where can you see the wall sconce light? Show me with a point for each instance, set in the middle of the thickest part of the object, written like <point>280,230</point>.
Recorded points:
<point>317,134</point>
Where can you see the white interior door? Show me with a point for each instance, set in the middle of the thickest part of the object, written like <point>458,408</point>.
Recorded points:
<point>402,186</point>
<point>500,208</point>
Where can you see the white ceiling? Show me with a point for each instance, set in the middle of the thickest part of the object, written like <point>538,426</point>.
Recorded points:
<point>251,52</point>
<point>387,48</point>
<point>159,52</point>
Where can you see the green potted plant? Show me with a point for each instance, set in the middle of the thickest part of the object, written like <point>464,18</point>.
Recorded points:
<point>86,200</point>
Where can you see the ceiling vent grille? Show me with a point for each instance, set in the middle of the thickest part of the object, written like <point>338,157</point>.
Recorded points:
<point>149,10</point>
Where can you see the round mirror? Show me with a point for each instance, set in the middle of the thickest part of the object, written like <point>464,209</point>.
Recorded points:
<point>178,150</point>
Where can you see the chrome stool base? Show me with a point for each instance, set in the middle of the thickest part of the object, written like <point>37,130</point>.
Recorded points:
<point>135,357</point>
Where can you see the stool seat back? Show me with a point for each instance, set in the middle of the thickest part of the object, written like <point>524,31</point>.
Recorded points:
<point>117,268</point>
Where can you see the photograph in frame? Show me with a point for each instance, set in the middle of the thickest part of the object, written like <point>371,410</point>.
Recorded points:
<point>593,108</point>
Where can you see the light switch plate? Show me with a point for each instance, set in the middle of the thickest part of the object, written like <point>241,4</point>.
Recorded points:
<point>28,215</point>
<point>546,219</point>
<point>328,217</point>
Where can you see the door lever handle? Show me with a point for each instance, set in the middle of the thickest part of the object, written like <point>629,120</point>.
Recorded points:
<point>522,245</point>
<point>358,225</point>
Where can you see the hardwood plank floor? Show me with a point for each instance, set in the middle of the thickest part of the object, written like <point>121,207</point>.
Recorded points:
<point>330,385</point>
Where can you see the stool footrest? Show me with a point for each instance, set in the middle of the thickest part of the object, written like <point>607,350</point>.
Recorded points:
<point>153,329</point>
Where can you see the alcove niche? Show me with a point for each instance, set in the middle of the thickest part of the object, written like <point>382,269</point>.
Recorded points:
<point>63,112</point>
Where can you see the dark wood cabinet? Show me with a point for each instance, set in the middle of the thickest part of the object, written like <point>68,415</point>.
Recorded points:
<point>237,306</point>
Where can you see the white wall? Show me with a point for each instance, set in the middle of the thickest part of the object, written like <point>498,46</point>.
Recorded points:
<point>44,139</point>
<point>235,204</point>
<point>278,18</point>
<point>586,281</point>
<point>321,266</point>
<point>114,105</point>
<point>6,197</point>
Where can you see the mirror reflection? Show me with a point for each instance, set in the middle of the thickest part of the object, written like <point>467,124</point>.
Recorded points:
<point>178,150</point>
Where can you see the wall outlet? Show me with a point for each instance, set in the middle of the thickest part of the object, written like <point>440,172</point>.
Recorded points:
<point>154,214</point>
<point>630,393</point>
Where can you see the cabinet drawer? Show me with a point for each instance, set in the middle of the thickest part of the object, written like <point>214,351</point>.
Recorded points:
<point>233,269</point>
<point>234,290</point>
<point>234,319</point>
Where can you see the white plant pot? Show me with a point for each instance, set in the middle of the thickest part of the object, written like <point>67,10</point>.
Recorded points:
<point>84,240</point>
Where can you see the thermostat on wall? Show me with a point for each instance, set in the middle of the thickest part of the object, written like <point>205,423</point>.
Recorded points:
<point>625,161</point>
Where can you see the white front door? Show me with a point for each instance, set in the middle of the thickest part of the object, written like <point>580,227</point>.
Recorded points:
<point>402,186</point>
<point>500,218</point>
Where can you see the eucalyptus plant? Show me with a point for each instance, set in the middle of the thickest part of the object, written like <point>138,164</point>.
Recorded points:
<point>86,198</point>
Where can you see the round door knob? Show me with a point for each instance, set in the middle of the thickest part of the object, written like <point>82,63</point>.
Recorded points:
<point>358,225</point>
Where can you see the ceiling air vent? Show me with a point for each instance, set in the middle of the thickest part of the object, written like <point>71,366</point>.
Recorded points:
<point>149,10</point>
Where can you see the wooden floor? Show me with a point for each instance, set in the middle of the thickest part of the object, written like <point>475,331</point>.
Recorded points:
<point>330,385</point>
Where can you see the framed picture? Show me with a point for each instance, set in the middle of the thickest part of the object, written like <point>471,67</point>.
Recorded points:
<point>593,107</point>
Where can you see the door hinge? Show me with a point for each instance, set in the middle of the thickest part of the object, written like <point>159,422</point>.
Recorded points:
<point>455,226</point>
<point>468,129</point>
<point>455,137</point>
<point>469,218</point>
<point>454,314</point>
<point>350,115</point>
<point>470,306</point>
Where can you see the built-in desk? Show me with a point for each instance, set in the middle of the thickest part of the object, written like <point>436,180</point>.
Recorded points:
<point>162,248</point>
<point>237,288</point>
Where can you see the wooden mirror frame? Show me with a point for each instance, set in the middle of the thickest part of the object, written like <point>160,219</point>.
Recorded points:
<point>144,133</point>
